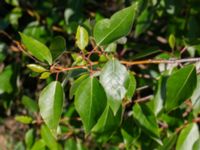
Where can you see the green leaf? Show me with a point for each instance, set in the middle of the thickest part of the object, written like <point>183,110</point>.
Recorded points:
<point>195,98</point>
<point>90,102</point>
<point>45,75</point>
<point>108,122</point>
<point>157,102</point>
<point>108,30</point>
<point>51,103</point>
<point>5,80</point>
<point>39,145</point>
<point>114,77</point>
<point>76,85</point>
<point>36,48</point>
<point>111,48</point>
<point>143,22</point>
<point>146,120</point>
<point>48,138</point>
<point>187,137</point>
<point>196,145</point>
<point>180,86</point>
<point>169,142</point>
<point>82,38</point>
<point>71,144</point>
<point>30,104</point>
<point>36,68</point>
<point>131,86</point>
<point>172,41</point>
<point>57,46</point>
<point>29,138</point>
<point>24,119</point>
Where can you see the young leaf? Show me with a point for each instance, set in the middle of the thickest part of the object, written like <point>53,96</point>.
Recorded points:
<point>146,120</point>
<point>58,46</point>
<point>24,119</point>
<point>45,75</point>
<point>180,86</point>
<point>114,78</point>
<point>82,38</point>
<point>36,68</point>
<point>108,122</point>
<point>108,30</point>
<point>36,48</point>
<point>172,41</point>
<point>39,145</point>
<point>50,104</point>
<point>90,102</point>
<point>187,137</point>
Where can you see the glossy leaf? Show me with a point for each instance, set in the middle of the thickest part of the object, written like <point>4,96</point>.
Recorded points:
<point>90,102</point>
<point>108,122</point>
<point>195,98</point>
<point>50,104</point>
<point>187,137</point>
<point>36,68</point>
<point>48,138</point>
<point>76,85</point>
<point>108,30</point>
<point>180,86</point>
<point>57,46</point>
<point>36,48</point>
<point>82,37</point>
<point>114,77</point>
<point>131,86</point>
<point>146,120</point>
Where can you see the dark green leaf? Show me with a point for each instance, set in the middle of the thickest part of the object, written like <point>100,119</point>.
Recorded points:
<point>114,77</point>
<point>50,104</point>
<point>169,142</point>
<point>90,102</point>
<point>146,120</point>
<point>131,86</point>
<point>180,86</point>
<point>36,48</point>
<point>108,30</point>
<point>58,46</point>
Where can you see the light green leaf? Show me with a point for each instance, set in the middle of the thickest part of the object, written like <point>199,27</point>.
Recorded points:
<point>196,98</point>
<point>82,38</point>
<point>24,119</point>
<point>36,48</point>
<point>90,102</point>
<point>131,86</point>
<point>29,138</point>
<point>76,85</point>
<point>48,138</point>
<point>108,30</point>
<point>50,104</point>
<point>169,142</point>
<point>36,68</point>
<point>114,77</point>
<point>146,120</point>
<point>108,122</point>
<point>180,86</point>
<point>187,137</point>
<point>58,46</point>
<point>45,75</point>
<point>196,145</point>
<point>111,48</point>
<point>172,41</point>
<point>39,145</point>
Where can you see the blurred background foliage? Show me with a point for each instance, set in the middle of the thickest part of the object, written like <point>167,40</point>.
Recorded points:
<point>43,20</point>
